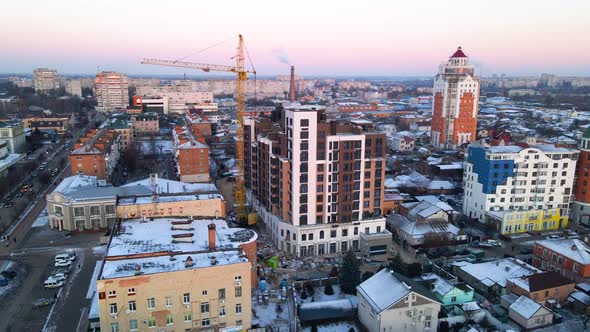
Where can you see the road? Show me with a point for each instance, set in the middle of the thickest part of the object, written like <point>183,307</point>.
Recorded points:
<point>36,256</point>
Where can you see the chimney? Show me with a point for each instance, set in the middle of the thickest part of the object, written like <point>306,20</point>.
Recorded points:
<point>292,85</point>
<point>188,262</point>
<point>211,228</point>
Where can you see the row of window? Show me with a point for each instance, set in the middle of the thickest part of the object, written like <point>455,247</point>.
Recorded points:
<point>151,322</point>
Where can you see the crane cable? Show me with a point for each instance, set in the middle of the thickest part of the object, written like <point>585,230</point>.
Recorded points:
<point>205,49</point>
<point>255,83</point>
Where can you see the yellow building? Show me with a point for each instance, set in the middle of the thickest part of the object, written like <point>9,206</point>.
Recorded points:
<point>201,205</point>
<point>514,222</point>
<point>176,275</point>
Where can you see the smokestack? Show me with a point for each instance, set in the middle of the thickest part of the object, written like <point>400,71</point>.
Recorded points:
<point>292,86</point>
<point>211,228</point>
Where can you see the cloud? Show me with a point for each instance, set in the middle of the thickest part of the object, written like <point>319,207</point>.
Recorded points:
<point>281,55</point>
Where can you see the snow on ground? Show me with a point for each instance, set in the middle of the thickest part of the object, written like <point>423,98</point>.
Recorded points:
<point>319,296</point>
<point>156,147</point>
<point>266,315</point>
<point>335,327</point>
<point>42,219</point>
<point>13,283</point>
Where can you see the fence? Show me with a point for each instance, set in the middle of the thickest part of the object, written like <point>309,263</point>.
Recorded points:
<point>301,284</point>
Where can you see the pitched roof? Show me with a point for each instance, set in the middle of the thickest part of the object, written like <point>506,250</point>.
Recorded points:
<point>540,281</point>
<point>525,307</point>
<point>573,249</point>
<point>387,288</point>
<point>458,53</point>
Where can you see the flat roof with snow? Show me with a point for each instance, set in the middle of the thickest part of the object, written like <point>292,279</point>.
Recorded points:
<point>174,236</point>
<point>159,264</point>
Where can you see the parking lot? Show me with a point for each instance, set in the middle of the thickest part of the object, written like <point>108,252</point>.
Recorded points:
<point>33,260</point>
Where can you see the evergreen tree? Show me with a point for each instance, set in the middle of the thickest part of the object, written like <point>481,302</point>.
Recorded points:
<point>350,274</point>
<point>367,275</point>
<point>397,264</point>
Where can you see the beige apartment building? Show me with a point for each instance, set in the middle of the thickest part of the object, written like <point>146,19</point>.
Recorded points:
<point>111,90</point>
<point>177,275</point>
<point>45,80</point>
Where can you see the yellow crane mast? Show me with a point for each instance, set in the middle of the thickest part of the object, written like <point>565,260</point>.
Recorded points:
<point>241,77</point>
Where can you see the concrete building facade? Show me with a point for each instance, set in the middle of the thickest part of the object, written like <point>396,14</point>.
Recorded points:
<point>316,184</point>
<point>519,188</point>
<point>111,90</point>
<point>456,103</point>
<point>59,125</point>
<point>210,264</point>
<point>45,80</point>
<point>14,134</point>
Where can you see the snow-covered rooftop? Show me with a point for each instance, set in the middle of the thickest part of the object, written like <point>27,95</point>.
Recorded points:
<point>525,307</point>
<point>159,264</point>
<point>175,187</point>
<point>383,290</point>
<point>499,271</point>
<point>75,182</point>
<point>574,249</point>
<point>174,236</point>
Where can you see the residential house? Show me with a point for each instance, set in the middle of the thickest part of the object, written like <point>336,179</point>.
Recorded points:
<point>569,257</point>
<point>542,287</point>
<point>446,292</point>
<point>529,314</point>
<point>390,302</point>
<point>491,277</point>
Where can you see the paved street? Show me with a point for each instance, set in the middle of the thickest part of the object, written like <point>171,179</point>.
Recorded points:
<point>36,256</point>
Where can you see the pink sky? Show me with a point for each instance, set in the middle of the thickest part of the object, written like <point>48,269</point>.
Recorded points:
<point>321,37</point>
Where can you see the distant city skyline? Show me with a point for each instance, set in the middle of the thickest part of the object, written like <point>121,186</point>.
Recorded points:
<point>378,38</point>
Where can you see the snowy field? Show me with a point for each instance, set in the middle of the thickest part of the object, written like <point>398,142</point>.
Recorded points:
<point>319,296</point>
<point>266,315</point>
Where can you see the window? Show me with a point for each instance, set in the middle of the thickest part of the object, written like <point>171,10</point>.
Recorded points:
<point>110,209</point>
<point>152,322</point>
<point>169,319</point>
<point>344,232</point>
<point>321,235</point>
<point>131,291</point>
<point>204,307</point>
<point>205,322</point>
<point>114,327</point>
<point>188,316</point>
<point>186,298</point>
<point>113,307</point>
<point>333,233</point>
<point>151,303</point>
<point>304,122</point>
<point>132,306</point>
<point>112,293</point>
<point>238,291</point>
<point>133,325</point>
<point>168,301</point>
<point>238,308</point>
<point>222,311</point>
<point>94,210</point>
<point>79,212</point>
<point>221,293</point>
<point>204,293</point>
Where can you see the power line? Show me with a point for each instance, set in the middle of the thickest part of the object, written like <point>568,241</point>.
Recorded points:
<point>205,49</point>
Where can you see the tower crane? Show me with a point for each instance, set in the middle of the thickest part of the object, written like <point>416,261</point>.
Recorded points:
<point>241,77</point>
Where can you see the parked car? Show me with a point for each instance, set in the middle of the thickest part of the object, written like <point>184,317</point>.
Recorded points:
<point>490,244</point>
<point>43,302</point>
<point>8,274</point>
<point>63,263</point>
<point>53,283</point>
<point>8,204</point>
<point>553,237</point>
<point>19,195</point>
<point>59,276</point>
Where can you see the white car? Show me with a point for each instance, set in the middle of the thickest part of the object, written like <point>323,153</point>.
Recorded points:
<point>59,263</point>
<point>59,276</point>
<point>490,243</point>
<point>53,283</point>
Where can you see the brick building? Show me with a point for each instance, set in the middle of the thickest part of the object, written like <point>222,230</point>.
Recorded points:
<point>581,205</point>
<point>96,153</point>
<point>456,103</point>
<point>317,184</point>
<point>542,287</point>
<point>192,156</point>
<point>569,257</point>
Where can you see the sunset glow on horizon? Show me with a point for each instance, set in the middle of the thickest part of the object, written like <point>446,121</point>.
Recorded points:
<point>385,38</point>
